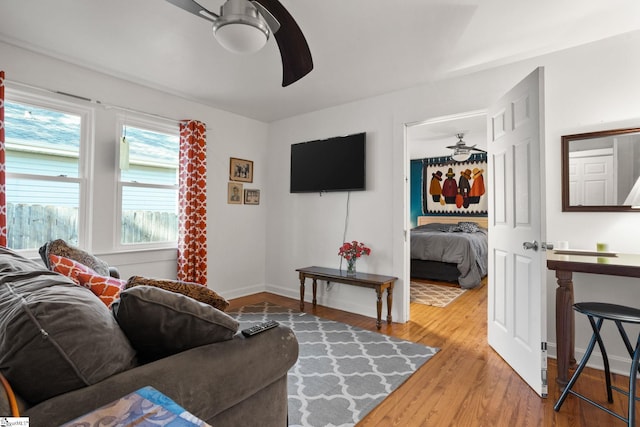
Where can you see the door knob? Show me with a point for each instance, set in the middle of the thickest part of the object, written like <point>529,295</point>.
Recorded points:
<point>530,245</point>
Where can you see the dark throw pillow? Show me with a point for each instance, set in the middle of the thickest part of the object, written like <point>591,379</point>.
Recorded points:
<point>193,290</point>
<point>159,322</point>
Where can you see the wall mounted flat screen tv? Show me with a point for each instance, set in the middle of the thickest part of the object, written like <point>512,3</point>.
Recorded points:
<point>334,164</point>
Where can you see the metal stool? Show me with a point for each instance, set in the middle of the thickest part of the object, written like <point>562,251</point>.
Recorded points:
<point>597,312</point>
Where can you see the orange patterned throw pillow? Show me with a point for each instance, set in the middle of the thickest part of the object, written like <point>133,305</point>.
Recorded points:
<point>104,287</point>
<point>66,267</point>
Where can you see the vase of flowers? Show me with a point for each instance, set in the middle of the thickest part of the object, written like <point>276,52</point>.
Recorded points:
<point>351,251</point>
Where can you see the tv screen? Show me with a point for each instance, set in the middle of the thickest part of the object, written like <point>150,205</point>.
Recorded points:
<point>334,164</point>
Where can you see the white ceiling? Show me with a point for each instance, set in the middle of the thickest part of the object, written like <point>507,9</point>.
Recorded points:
<point>429,138</point>
<point>360,48</point>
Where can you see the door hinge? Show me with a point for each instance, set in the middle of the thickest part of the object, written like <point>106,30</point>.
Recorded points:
<point>544,374</point>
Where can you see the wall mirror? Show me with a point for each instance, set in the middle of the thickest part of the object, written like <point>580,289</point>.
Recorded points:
<point>601,170</point>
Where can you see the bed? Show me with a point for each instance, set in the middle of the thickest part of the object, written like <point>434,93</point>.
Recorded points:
<point>451,249</point>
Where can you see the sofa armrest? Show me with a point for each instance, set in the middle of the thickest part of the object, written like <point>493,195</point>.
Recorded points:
<point>205,380</point>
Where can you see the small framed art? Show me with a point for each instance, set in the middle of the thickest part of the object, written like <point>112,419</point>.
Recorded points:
<point>240,170</point>
<point>234,193</point>
<point>251,197</point>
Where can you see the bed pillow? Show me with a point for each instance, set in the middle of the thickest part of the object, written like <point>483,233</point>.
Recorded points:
<point>449,228</point>
<point>159,322</point>
<point>104,287</point>
<point>61,248</point>
<point>460,227</point>
<point>56,336</point>
<point>193,290</point>
<point>468,227</point>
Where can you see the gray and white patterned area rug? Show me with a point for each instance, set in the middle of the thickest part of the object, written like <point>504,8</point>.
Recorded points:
<point>343,372</point>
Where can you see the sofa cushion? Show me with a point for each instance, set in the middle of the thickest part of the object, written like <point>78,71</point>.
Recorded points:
<point>61,248</point>
<point>190,289</point>
<point>104,287</point>
<point>56,336</point>
<point>159,323</point>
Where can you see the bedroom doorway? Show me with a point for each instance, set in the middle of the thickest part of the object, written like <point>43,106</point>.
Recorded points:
<point>426,142</point>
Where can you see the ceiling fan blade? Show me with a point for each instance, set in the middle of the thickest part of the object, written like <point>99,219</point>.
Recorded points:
<point>193,7</point>
<point>294,50</point>
<point>473,147</point>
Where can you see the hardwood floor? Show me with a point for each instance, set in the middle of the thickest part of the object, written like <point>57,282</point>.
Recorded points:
<point>466,383</point>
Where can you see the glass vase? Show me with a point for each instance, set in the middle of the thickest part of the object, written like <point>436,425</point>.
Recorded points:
<point>351,267</point>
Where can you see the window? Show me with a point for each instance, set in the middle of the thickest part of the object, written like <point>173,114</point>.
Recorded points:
<point>45,142</point>
<point>149,185</point>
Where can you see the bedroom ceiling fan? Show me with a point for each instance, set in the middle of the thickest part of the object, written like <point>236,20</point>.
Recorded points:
<point>462,151</point>
<point>244,26</point>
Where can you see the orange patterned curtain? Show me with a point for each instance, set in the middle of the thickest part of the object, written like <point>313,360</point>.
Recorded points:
<point>3,194</point>
<point>192,203</point>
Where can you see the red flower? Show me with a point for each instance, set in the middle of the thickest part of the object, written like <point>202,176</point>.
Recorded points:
<point>353,249</point>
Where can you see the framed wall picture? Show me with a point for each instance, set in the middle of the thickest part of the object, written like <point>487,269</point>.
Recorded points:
<point>251,196</point>
<point>240,170</point>
<point>234,193</point>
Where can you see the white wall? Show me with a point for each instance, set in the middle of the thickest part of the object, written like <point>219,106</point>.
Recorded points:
<point>307,229</point>
<point>236,233</point>
<point>587,88</point>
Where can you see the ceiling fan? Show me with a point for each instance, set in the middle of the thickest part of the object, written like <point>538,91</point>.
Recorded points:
<point>244,26</point>
<point>462,151</point>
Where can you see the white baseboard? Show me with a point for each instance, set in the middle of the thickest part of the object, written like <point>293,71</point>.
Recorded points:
<point>323,299</point>
<point>243,292</point>
<point>287,292</point>
<point>617,364</point>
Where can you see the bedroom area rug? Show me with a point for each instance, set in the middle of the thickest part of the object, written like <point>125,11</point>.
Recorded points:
<point>434,295</point>
<point>342,372</point>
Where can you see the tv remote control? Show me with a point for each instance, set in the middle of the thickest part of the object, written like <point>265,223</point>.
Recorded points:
<point>260,327</point>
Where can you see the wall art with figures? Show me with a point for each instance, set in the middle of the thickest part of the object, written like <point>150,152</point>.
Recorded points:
<point>455,187</point>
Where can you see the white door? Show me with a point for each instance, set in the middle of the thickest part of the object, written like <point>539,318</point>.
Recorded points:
<point>516,288</point>
<point>591,178</point>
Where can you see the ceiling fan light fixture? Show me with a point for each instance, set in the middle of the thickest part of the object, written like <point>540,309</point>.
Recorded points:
<point>461,155</point>
<point>240,37</point>
<point>240,28</point>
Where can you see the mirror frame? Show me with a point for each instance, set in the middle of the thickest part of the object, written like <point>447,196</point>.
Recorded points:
<point>566,140</point>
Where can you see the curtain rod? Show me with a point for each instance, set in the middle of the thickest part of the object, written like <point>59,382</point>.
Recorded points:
<point>92,101</point>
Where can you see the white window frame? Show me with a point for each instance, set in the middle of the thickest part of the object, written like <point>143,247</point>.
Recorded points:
<point>154,124</point>
<point>85,152</point>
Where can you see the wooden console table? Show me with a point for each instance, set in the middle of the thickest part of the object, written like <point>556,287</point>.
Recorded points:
<point>627,265</point>
<point>375,281</point>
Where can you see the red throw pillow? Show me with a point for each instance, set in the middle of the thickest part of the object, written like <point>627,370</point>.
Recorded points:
<point>106,288</point>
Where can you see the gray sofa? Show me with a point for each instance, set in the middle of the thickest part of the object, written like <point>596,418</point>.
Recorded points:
<point>65,353</point>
